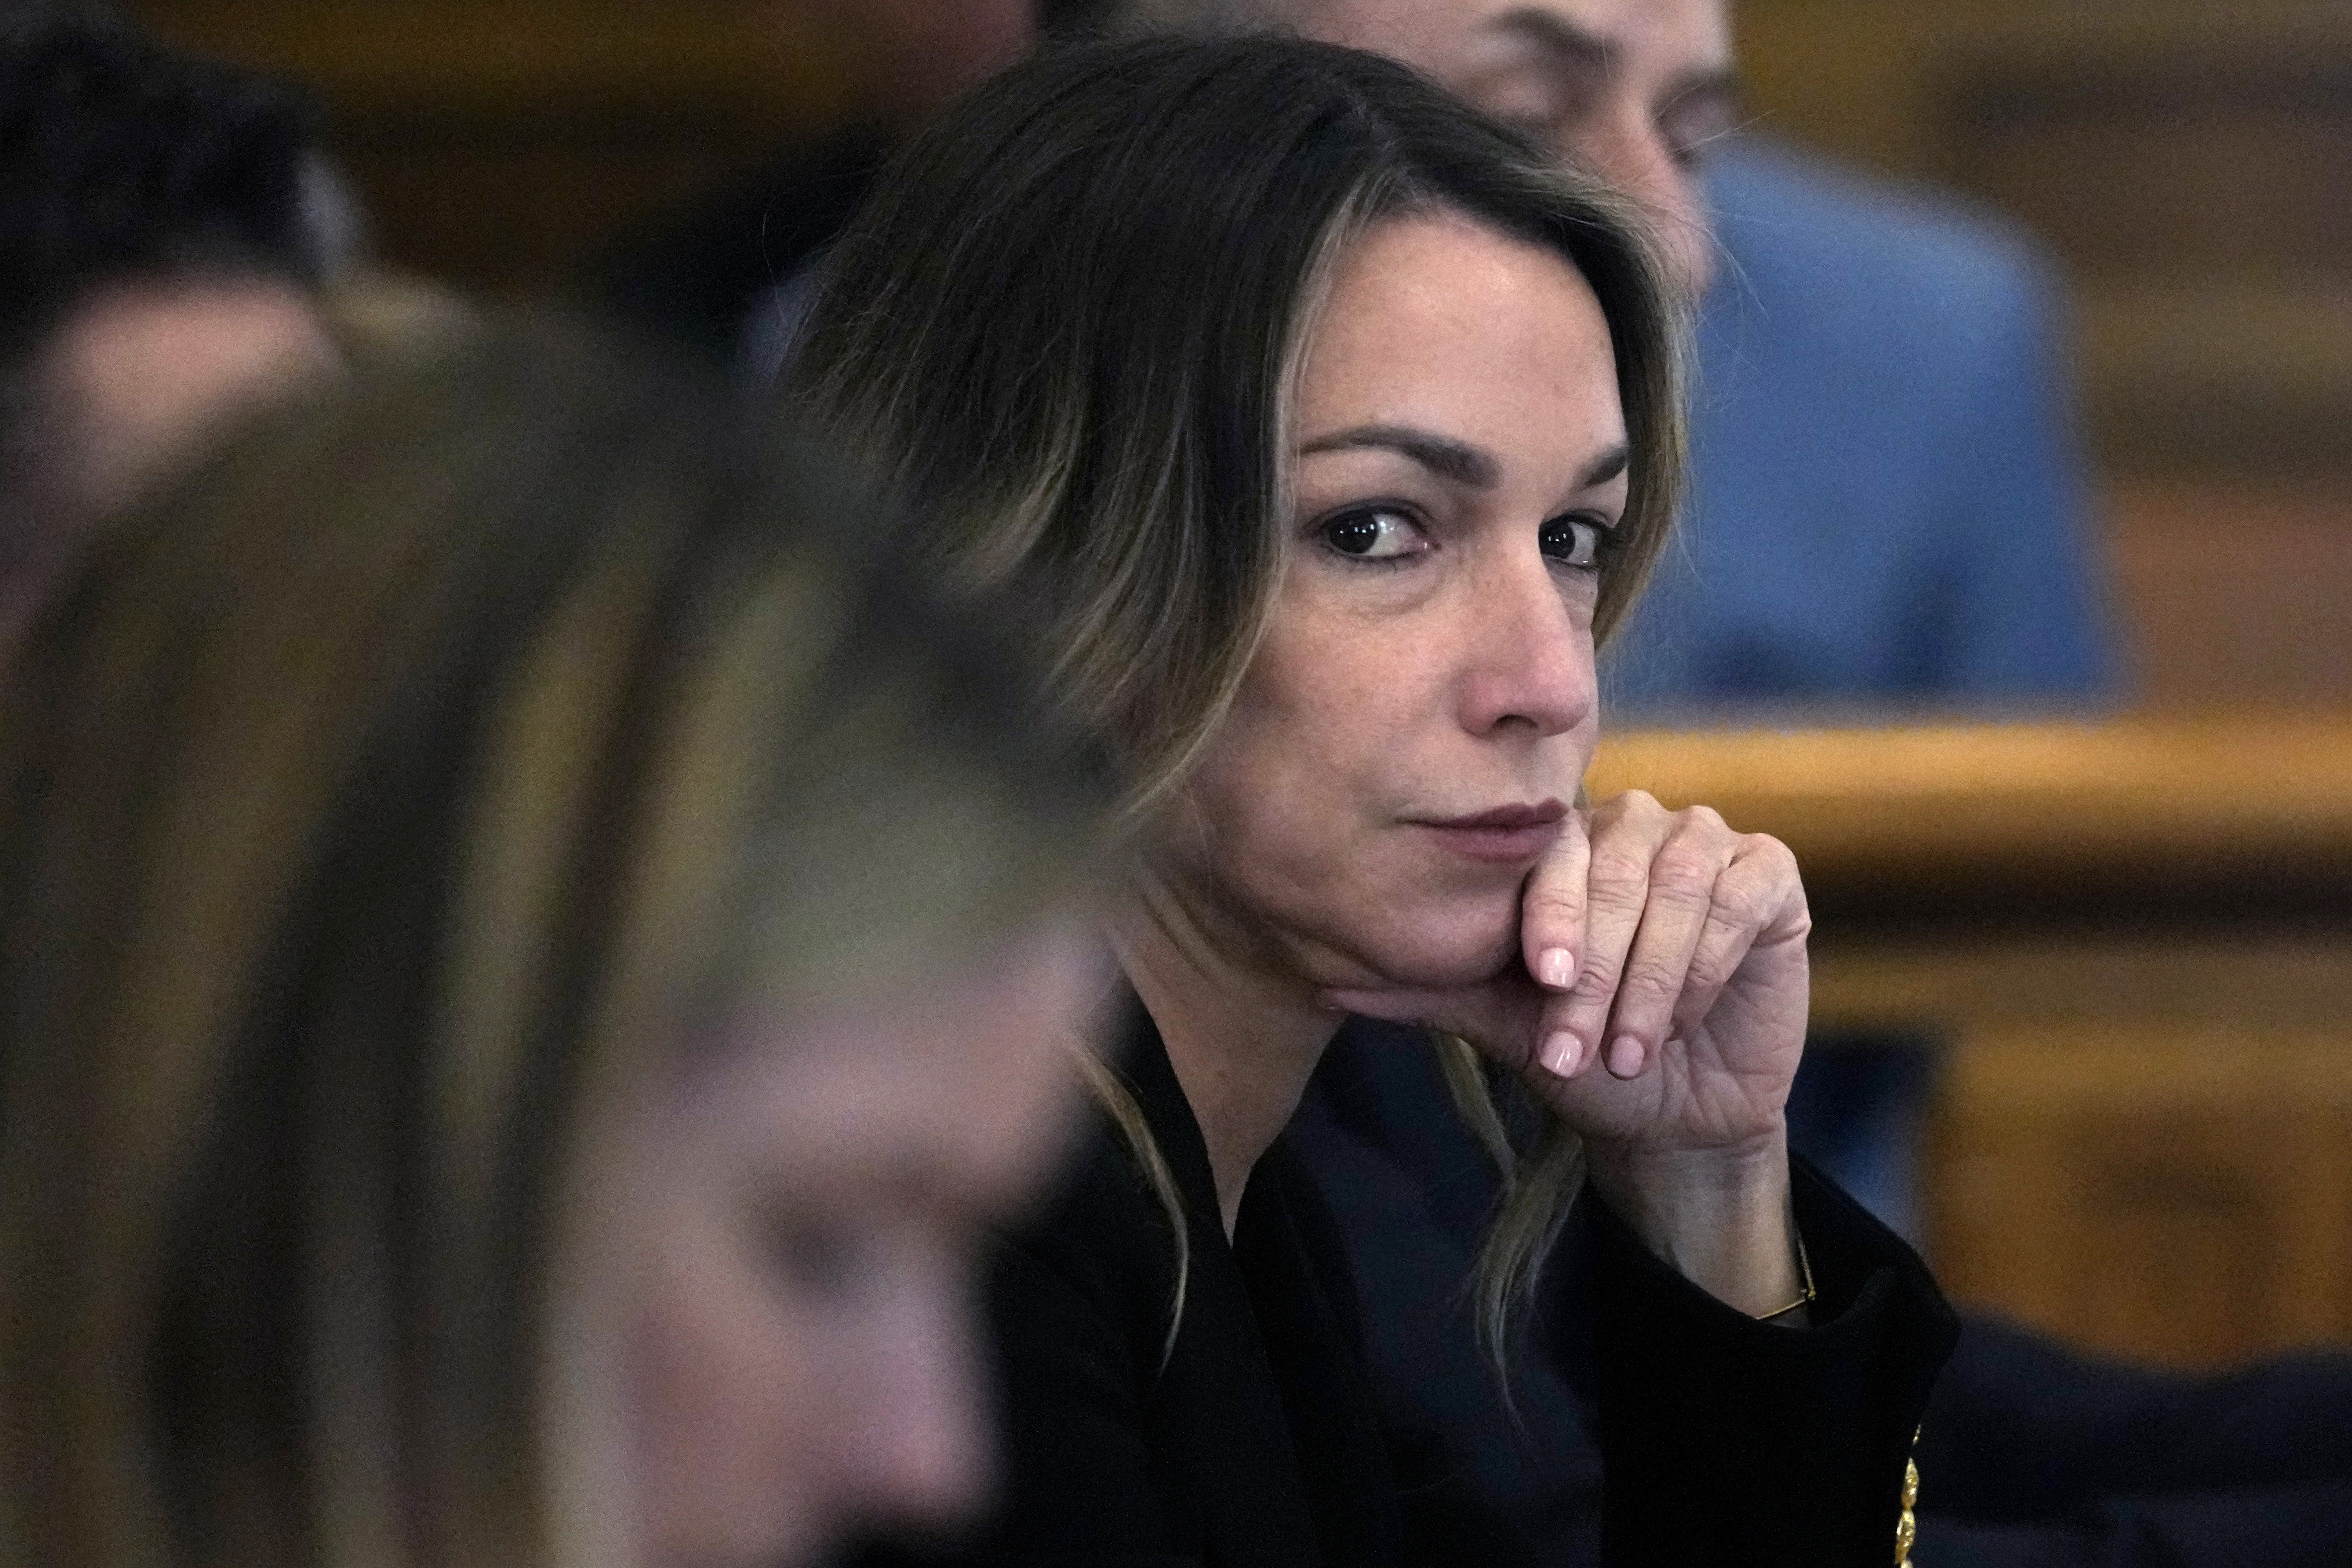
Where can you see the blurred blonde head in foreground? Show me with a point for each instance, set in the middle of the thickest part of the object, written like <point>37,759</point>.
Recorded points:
<point>530,953</point>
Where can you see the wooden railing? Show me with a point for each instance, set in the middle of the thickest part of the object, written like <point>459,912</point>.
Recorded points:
<point>2015,812</point>
<point>2133,942</point>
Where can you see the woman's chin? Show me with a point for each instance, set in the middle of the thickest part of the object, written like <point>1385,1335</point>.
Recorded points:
<point>1445,947</point>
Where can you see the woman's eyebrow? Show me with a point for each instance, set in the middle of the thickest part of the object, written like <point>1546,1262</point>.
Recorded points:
<point>1441,455</point>
<point>1607,467</point>
<point>1458,461</point>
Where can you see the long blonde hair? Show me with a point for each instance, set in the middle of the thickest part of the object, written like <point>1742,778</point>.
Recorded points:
<point>1068,326</point>
<point>383,806</point>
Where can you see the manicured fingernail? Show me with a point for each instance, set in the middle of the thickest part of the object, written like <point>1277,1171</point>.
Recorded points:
<point>1625,1057</point>
<point>1556,967</point>
<point>1561,1053</point>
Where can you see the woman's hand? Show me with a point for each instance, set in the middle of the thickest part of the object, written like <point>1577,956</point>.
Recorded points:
<point>1669,951</point>
<point>1660,1010</point>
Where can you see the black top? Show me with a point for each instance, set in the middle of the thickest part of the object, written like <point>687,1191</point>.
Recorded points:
<point>2033,1456</point>
<point>1253,1437</point>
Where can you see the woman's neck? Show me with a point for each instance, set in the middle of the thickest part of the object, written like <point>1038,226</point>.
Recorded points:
<point>1242,1038</point>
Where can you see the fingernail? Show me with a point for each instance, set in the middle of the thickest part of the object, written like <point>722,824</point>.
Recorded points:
<point>1625,1057</point>
<point>1556,967</point>
<point>1561,1053</point>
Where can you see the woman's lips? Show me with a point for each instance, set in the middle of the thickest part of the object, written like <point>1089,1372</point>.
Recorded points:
<point>1509,835</point>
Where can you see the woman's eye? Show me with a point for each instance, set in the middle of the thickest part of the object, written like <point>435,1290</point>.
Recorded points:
<point>1572,541</point>
<point>1374,535</point>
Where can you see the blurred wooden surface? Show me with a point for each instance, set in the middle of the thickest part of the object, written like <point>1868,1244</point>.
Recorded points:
<point>2231,590</point>
<point>1940,819</point>
<point>2135,943</point>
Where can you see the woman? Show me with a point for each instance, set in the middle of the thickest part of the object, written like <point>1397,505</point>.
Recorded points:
<point>530,955</point>
<point>1334,429</point>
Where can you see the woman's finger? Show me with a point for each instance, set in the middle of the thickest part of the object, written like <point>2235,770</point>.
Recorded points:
<point>1558,1050</point>
<point>1682,897</point>
<point>1753,898</point>
<point>1758,903</point>
<point>1627,835</point>
<point>1551,910</point>
<point>1723,946</point>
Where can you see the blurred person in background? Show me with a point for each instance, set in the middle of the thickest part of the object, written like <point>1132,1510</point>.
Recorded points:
<point>530,955</point>
<point>161,244</point>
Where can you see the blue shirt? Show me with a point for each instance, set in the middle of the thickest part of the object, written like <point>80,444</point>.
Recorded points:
<point>1888,503</point>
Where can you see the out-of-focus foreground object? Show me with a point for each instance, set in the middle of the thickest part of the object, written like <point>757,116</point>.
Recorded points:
<point>513,907</point>
<point>2136,939</point>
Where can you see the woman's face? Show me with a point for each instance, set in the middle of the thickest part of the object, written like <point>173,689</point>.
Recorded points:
<point>1422,708</point>
<point>780,1293</point>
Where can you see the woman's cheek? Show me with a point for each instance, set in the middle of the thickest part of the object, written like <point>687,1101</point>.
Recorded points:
<point>717,1377</point>
<point>1400,920</point>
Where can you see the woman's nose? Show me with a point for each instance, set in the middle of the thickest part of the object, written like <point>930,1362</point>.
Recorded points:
<point>1527,656</point>
<point>921,1453</point>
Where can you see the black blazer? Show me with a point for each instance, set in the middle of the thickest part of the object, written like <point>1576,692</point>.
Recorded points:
<point>1251,1436</point>
<point>2034,1456</point>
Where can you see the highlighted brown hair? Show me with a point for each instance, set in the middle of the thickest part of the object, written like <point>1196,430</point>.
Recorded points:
<point>382,807</point>
<point>1066,331</point>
